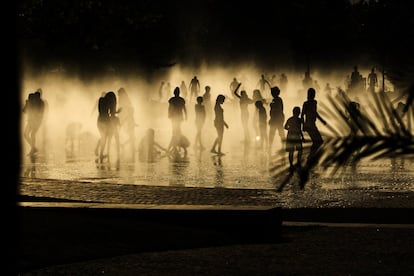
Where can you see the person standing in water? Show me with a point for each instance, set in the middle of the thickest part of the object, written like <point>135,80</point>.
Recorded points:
<point>277,117</point>
<point>309,116</point>
<point>177,113</point>
<point>200,117</point>
<point>194,87</point>
<point>244,110</point>
<point>262,122</point>
<point>294,137</point>
<point>219,124</point>
<point>34,108</point>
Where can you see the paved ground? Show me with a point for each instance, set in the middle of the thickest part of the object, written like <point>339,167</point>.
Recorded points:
<point>32,189</point>
<point>342,233</point>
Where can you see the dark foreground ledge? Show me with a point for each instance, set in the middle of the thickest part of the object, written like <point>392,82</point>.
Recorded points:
<point>58,235</point>
<point>350,215</point>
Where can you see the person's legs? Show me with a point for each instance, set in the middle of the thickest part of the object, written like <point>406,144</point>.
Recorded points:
<point>272,133</point>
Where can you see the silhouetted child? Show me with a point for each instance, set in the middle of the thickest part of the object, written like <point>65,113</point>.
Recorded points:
<point>180,147</point>
<point>200,118</point>
<point>294,136</point>
<point>262,117</point>
<point>149,149</point>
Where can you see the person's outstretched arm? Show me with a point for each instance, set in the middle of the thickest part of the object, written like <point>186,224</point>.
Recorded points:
<point>320,118</point>
<point>236,90</point>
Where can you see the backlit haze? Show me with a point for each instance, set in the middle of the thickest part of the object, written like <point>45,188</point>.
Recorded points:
<point>72,99</point>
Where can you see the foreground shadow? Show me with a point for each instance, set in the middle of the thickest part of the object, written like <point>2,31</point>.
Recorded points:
<point>52,236</point>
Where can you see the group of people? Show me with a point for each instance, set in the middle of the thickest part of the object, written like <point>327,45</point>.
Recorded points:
<point>111,119</point>
<point>301,120</point>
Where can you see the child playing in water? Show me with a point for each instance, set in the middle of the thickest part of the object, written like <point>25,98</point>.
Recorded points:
<point>148,149</point>
<point>294,136</point>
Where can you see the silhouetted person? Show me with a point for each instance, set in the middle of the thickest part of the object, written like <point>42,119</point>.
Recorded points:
<point>103,126</point>
<point>207,103</point>
<point>168,90</point>
<point>357,82</point>
<point>200,118</point>
<point>307,81</point>
<point>244,110</point>
<point>316,85</point>
<point>177,113</point>
<point>372,80</point>
<point>262,122</point>
<point>233,85</point>
<point>161,91</point>
<point>148,148</point>
<point>194,87</point>
<point>262,84</point>
<point>113,124</point>
<point>72,138</point>
<point>183,90</point>
<point>353,114</point>
<point>219,124</point>
<point>127,121</point>
<point>257,96</point>
<point>34,109</point>
<point>179,150</point>
<point>277,117</point>
<point>309,116</point>
<point>328,89</point>
<point>283,82</point>
<point>294,137</point>
<point>273,80</point>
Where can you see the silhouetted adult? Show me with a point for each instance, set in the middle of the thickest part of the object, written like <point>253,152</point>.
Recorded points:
<point>177,113</point>
<point>127,121</point>
<point>113,124</point>
<point>34,109</point>
<point>372,80</point>
<point>148,148</point>
<point>328,89</point>
<point>219,124</point>
<point>200,118</point>
<point>309,116</point>
<point>283,82</point>
<point>244,110</point>
<point>161,91</point>
<point>273,80</point>
<point>233,85</point>
<point>307,81</point>
<point>257,96</point>
<point>354,118</point>
<point>277,117</point>
<point>168,91</point>
<point>103,126</point>
<point>357,82</point>
<point>207,103</point>
<point>262,84</point>
<point>294,137</point>
<point>262,122</point>
<point>194,87</point>
<point>73,138</point>
<point>183,90</point>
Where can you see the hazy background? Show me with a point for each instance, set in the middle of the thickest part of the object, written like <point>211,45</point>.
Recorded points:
<point>75,50</point>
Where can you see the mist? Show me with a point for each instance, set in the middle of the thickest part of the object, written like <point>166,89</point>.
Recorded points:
<point>71,98</point>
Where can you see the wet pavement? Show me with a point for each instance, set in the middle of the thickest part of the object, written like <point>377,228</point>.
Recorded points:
<point>236,179</point>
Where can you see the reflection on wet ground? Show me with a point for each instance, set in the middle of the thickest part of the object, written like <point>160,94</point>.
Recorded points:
<point>246,176</point>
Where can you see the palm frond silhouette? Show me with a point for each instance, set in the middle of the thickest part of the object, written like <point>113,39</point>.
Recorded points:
<point>376,131</point>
